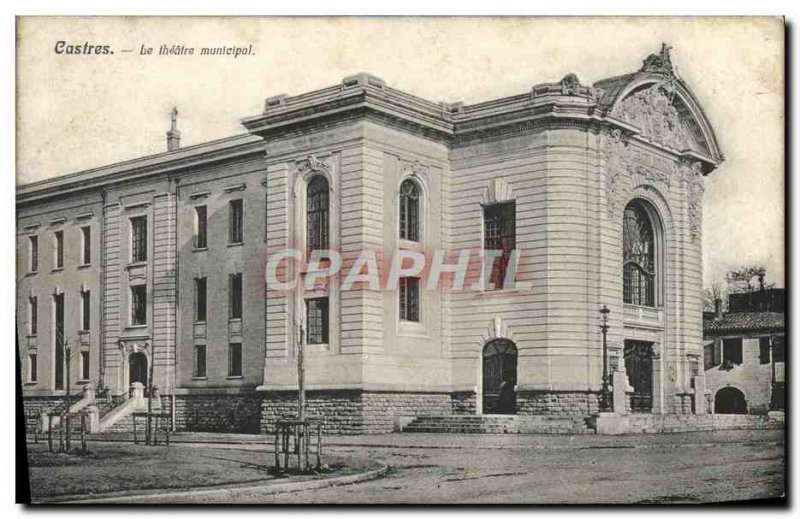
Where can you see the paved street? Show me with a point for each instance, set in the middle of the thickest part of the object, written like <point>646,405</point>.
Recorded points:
<point>675,468</point>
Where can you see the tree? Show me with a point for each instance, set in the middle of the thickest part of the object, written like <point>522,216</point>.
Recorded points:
<point>747,279</point>
<point>713,293</point>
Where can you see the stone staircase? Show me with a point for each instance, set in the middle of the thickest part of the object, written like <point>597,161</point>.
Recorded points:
<point>498,424</point>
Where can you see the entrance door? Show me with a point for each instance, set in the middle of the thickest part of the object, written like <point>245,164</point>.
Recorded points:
<point>730,400</point>
<point>639,365</point>
<point>137,371</point>
<point>499,377</point>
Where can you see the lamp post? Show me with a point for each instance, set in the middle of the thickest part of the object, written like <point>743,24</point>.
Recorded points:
<point>301,325</point>
<point>605,397</point>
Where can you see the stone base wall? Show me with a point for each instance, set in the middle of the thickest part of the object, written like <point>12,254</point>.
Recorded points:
<point>464,403</point>
<point>215,413</point>
<point>353,411</point>
<point>557,403</point>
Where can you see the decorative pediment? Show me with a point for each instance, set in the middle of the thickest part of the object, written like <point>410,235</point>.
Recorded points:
<point>498,190</point>
<point>653,110</point>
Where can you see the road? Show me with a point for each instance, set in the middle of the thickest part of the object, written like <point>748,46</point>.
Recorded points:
<point>458,469</point>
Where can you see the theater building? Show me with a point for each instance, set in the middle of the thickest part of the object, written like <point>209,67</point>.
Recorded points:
<point>157,265</point>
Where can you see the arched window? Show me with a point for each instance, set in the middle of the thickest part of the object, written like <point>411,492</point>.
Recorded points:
<point>317,214</point>
<point>638,256</point>
<point>409,210</point>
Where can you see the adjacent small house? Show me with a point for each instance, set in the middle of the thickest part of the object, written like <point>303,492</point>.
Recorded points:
<point>744,353</point>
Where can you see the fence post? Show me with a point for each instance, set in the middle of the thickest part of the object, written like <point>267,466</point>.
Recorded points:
<point>277,450</point>
<point>66,421</point>
<point>135,438</point>
<point>83,432</point>
<point>285,434</point>
<point>61,434</point>
<point>319,446</point>
<point>49,433</point>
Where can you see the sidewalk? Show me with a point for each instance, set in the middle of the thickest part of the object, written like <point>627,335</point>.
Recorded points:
<point>475,441</point>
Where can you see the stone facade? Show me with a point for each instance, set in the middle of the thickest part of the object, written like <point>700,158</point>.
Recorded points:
<point>568,157</point>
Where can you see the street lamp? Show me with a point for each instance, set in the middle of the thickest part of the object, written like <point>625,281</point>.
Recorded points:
<point>605,396</point>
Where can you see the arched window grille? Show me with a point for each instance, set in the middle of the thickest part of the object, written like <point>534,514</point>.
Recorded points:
<point>317,214</point>
<point>639,258</point>
<point>409,210</point>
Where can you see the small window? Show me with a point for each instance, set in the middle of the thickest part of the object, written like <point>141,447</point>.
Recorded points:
<point>236,221</point>
<point>778,349</point>
<point>86,310</point>
<point>59,246</point>
<point>86,234</point>
<point>201,227</point>
<point>732,351</point>
<point>84,365</point>
<point>500,233</point>
<point>763,350</point>
<point>235,359</point>
<point>317,320</point>
<point>199,361</point>
<point>33,327</point>
<point>200,299</point>
<point>33,249</point>
<point>235,305</point>
<point>409,210</point>
<point>317,211</point>
<point>409,299</point>
<point>139,239</point>
<point>33,369</point>
<point>139,304</point>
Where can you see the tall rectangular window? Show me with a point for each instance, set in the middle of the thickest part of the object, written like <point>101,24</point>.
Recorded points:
<point>500,234</point>
<point>317,320</point>
<point>199,361</point>
<point>139,238</point>
<point>139,304</point>
<point>409,299</point>
<point>84,365</point>
<point>33,250</point>
<point>236,221</point>
<point>201,227</point>
<point>763,350</point>
<point>708,356</point>
<point>59,249</point>
<point>235,308</point>
<point>86,234</point>
<point>732,351</point>
<point>86,310</point>
<point>778,349</point>
<point>235,359</point>
<point>200,299</point>
<point>33,368</point>
<point>58,301</point>
<point>33,327</point>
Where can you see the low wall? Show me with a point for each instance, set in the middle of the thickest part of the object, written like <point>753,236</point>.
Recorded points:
<point>557,403</point>
<point>216,413</point>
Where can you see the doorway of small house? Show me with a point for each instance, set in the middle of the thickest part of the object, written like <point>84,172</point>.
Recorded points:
<point>730,400</point>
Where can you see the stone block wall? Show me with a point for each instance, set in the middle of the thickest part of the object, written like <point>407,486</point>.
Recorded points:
<point>353,411</point>
<point>215,413</point>
<point>464,403</point>
<point>566,403</point>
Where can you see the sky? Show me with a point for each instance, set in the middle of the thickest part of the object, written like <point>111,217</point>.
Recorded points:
<point>81,111</point>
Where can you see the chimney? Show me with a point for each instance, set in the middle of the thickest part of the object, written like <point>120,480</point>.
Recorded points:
<point>173,135</point>
<point>718,307</point>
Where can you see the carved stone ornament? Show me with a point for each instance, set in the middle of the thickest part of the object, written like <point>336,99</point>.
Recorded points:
<point>652,111</point>
<point>497,329</point>
<point>628,167</point>
<point>129,347</point>
<point>312,163</point>
<point>693,176</point>
<point>659,63</point>
<point>413,169</point>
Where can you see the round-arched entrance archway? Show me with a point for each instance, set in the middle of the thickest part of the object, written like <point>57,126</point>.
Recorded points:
<point>137,368</point>
<point>499,377</point>
<point>730,400</point>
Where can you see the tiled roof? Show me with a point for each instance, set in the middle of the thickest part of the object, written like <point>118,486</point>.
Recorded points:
<point>744,321</point>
